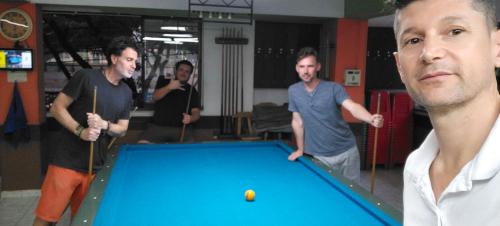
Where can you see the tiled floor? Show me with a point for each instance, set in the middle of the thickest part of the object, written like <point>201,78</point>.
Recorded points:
<point>388,185</point>
<point>16,208</point>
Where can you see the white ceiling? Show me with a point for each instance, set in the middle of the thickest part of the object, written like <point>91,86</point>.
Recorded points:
<point>387,21</point>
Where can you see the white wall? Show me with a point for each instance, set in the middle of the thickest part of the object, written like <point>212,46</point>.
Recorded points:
<point>211,70</point>
<point>211,55</point>
<point>147,4</point>
<point>314,8</point>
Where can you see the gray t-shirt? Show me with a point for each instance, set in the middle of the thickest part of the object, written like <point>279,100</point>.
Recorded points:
<point>326,133</point>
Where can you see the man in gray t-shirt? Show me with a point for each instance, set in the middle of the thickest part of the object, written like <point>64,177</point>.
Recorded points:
<point>317,120</point>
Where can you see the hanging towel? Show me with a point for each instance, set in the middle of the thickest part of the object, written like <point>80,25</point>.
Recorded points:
<point>16,129</point>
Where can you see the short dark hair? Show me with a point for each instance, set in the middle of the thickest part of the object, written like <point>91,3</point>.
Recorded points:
<point>185,62</point>
<point>487,7</point>
<point>117,45</point>
<point>305,52</point>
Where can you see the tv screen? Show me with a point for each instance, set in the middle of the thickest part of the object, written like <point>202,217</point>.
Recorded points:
<point>16,59</point>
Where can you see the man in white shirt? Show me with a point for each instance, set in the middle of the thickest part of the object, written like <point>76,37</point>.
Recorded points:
<point>447,54</point>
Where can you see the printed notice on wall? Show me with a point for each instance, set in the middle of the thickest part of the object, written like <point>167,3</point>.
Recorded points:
<point>16,76</point>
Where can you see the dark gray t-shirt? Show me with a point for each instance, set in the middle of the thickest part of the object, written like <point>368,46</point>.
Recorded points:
<point>326,133</point>
<point>169,109</point>
<point>113,102</point>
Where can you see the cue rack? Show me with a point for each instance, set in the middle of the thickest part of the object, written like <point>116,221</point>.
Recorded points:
<point>232,42</point>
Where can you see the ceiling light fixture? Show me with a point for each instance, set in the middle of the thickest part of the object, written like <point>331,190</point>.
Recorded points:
<point>157,39</point>
<point>186,39</point>
<point>178,35</point>
<point>173,28</point>
<point>173,42</point>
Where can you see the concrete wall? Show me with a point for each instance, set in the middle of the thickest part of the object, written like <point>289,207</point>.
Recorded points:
<point>312,8</point>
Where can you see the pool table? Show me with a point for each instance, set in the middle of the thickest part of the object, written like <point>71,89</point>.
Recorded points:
<point>204,184</point>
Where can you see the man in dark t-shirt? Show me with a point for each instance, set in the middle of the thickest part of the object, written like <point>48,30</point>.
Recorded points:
<point>171,101</point>
<point>67,180</point>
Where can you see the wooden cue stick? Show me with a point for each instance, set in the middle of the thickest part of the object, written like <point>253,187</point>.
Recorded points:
<point>225,82</point>
<point>374,160</point>
<point>230,85</point>
<point>115,138</point>
<point>181,139</point>
<point>91,157</point>
<point>221,120</point>
<point>241,69</point>
<point>237,75</point>
<point>233,79</point>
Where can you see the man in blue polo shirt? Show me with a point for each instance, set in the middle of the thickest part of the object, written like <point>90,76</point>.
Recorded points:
<point>317,120</point>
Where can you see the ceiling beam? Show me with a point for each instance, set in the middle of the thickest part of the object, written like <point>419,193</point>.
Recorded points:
<point>362,9</point>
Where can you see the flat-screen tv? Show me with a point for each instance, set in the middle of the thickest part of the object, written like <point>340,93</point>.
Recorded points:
<point>16,59</point>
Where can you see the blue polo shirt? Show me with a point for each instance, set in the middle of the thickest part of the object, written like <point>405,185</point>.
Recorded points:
<point>326,133</point>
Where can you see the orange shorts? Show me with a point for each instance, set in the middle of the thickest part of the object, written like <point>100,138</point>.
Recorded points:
<point>60,187</point>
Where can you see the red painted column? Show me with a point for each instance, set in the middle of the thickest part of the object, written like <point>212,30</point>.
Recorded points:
<point>351,54</point>
<point>20,166</point>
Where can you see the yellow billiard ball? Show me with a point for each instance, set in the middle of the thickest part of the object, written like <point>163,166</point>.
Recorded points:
<point>249,195</point>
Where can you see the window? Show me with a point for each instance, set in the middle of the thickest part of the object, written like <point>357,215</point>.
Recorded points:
<point>166,42</point>
<point>73,41</point>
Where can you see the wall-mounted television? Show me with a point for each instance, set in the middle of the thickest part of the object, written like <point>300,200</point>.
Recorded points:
<point>16,59</point>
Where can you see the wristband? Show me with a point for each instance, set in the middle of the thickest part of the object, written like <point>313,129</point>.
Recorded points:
<point>78,131</point>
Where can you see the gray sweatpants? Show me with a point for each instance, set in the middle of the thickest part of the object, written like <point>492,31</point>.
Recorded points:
<point>346,163</point>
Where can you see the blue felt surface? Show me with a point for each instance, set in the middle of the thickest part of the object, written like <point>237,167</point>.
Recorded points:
<point>204,184</point>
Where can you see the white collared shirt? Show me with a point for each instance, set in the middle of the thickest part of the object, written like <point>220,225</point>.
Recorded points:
<point>472,197</point>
